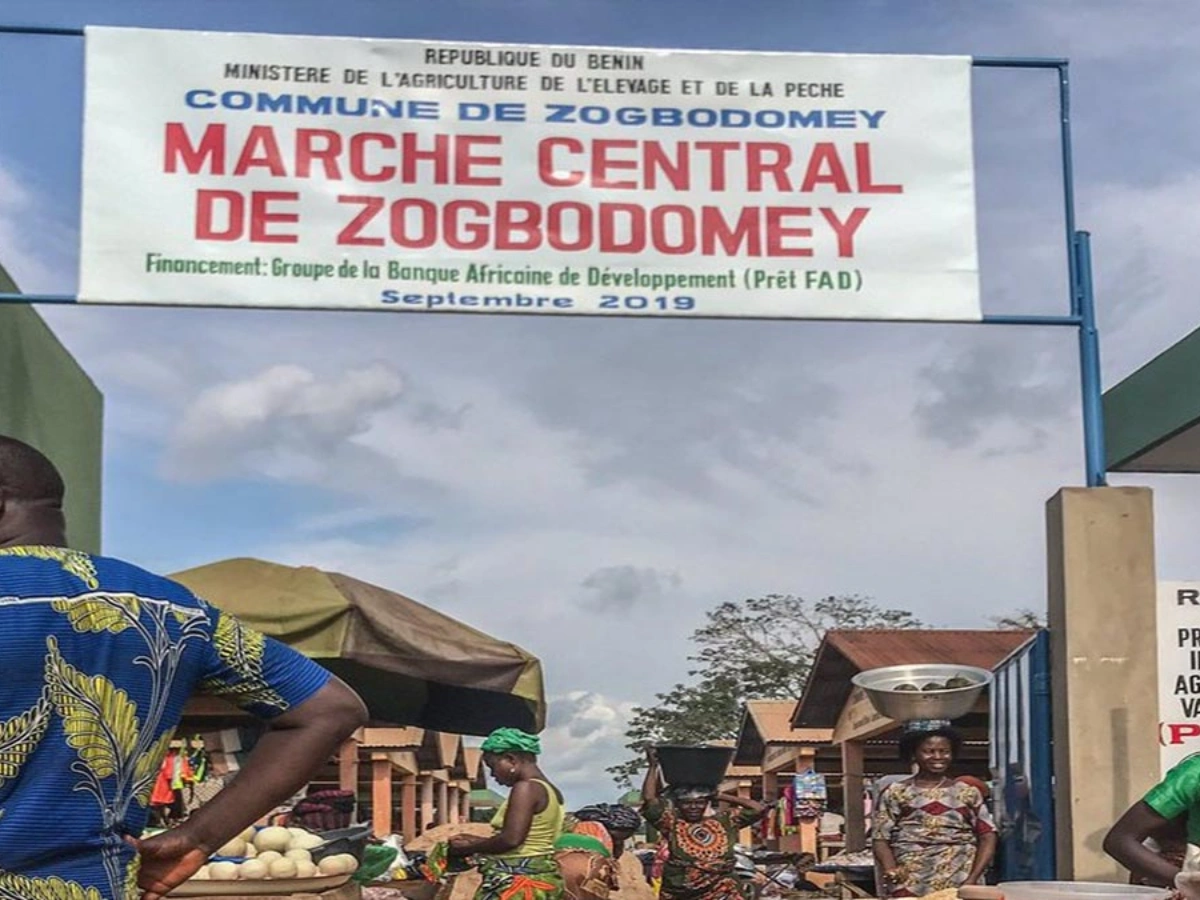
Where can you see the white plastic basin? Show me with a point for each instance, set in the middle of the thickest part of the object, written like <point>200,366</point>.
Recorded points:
<point>1078,890</point>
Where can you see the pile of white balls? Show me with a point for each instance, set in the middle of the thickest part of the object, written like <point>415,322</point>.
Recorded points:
<point>277,853</point>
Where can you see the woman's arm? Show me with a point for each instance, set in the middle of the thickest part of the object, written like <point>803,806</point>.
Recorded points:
<point>887,860</point>
<point>886,818</point>
<point>651,783</point>
<point>523,801</point>
<point>753,805</point>
<point>985,852</point>
<point>1124,844</point>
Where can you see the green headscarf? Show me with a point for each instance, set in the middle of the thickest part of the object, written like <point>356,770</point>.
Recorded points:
<point>512,740</point>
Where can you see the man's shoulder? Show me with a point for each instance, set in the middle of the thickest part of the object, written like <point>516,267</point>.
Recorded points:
<point>116,574</point>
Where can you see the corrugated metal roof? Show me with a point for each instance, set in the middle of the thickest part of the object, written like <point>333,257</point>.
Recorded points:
<point>770,722</point>
<point>843,654</point>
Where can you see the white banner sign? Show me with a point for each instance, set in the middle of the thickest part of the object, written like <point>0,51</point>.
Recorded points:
<point>1178,671</point>
<point>263,170</point>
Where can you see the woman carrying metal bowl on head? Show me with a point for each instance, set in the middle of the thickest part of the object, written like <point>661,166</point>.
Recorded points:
<point>931,832</point>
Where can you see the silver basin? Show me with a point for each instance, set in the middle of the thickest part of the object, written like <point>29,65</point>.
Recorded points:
<point>904,706</point>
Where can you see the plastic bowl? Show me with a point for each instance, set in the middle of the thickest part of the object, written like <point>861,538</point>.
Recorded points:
<point>905,706</point>
<point>352,840</point>
<point>1078,890</point>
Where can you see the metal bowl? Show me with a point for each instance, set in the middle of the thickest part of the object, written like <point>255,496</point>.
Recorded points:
<point>904,706</point>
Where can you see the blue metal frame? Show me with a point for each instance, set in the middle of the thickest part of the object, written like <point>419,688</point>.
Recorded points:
<point>1079,259</point>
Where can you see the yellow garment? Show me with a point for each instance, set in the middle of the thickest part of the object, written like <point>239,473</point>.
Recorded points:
<point>544,830</point>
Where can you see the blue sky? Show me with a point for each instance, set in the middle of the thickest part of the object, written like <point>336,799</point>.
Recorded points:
<point>589,488</point>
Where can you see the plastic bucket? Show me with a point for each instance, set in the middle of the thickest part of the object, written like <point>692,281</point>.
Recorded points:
<point>697,765</point>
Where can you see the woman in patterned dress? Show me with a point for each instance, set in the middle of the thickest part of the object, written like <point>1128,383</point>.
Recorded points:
<point>700,861</point>
<point>932,833</point>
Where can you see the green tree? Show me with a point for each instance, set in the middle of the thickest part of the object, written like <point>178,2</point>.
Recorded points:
<point>758,648</point>
<point>1020,620</point>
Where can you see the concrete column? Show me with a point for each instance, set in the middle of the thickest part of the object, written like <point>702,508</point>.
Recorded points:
<point>1100,562</point>
<point>408,807</point>
<point>348,766</point>
<point>381,797</point>
<point>443,807</point>
<point>746,835</point>
<point>426,801</point>
<point>852,791</point>
<point>453,806</point>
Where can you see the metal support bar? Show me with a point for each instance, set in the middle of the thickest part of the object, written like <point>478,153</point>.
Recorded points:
<point>1073,321</point>
<point>1068,176</point>
<point>1018,62</point>
<point>38,298</point>
<point>41,29</point>
<point>1089,365</point>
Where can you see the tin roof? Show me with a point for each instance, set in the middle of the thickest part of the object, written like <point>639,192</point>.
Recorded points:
<point>843,654</point>
<point>770,722</point>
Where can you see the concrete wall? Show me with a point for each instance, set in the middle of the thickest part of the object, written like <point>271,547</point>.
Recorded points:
<point>1100,559</point>
<point>47,400</point>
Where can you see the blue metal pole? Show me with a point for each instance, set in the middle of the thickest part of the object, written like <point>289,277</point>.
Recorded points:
<point>1089,365</point>
<point>1068,165</point>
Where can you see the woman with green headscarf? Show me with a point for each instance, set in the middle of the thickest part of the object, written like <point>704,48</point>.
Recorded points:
<point>517,861</point>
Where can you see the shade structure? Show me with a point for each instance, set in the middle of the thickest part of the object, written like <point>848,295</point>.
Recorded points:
<point>412,665</point>
<point>486,798</point>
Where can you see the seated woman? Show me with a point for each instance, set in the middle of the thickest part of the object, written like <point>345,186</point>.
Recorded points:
<point>931,833</point>
<point>519,858</point>
<point>700,862</point>
<point>588,851</point>
<point>1159,835</point>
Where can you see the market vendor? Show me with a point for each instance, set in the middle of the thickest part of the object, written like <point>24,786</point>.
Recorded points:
<point>931,833</point>
<point>519,856</point>
<point>700,860</point>
<point>1160,834</point>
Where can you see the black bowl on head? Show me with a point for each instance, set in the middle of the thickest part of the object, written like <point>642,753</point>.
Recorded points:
<point>693,765</point>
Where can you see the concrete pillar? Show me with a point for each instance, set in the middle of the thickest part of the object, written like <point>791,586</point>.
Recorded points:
<point>852,791</point>
<point>453,807</point>
<point>408,807</point>
<point>381,797</point>
<point>1100,562</point>
<point>426,801</point>
<point>465,801</point>
<point>348,766</point>
<point>746,835</point>
<point>443,807</point>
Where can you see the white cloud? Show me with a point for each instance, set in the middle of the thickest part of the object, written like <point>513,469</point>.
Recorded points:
<point>283,423</point>
<point>35,248</point>
<point>586,734</point>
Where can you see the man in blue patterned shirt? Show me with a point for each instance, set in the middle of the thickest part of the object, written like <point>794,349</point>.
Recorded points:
<point>99,658</point>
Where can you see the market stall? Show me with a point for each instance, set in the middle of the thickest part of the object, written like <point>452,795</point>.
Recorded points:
<point>784,755</point>
<point>412,665</point>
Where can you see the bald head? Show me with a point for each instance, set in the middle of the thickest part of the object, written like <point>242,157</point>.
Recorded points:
<point>31,496</point>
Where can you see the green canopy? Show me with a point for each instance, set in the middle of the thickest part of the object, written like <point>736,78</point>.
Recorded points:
<point>412,665</point>
<point>486,798</point>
